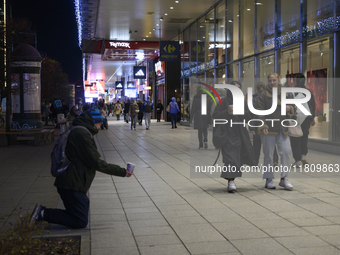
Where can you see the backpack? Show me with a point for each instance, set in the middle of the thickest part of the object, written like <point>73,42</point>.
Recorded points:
<point>59,161</point>
<point>57,104</point>
<point>147,107</point>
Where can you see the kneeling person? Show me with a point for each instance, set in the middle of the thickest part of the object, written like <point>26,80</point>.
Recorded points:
<point>73,184</point>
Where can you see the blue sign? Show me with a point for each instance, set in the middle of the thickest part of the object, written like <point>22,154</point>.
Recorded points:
<point>139,72</point>
<point>131,85</point>
<point>169,51</point>
<point>119,85</point>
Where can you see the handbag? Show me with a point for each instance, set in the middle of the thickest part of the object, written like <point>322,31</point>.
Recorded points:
<point>168,108</point>
<point>295,131</point>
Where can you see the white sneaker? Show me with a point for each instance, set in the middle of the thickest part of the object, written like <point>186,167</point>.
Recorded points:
<point>297,163</point>
<point>286,184</point>
<point>231,186</point>
<point>270,184</point>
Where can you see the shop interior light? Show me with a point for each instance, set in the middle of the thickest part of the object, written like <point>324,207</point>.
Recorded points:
<point>248,10</point>
<point>165,14</point>
<point>171,8</point>
<point>176,2</point>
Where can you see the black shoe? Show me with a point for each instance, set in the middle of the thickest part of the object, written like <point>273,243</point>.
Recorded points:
<point>172,127</point>
<point>36,214</point>
<point>175,126</point>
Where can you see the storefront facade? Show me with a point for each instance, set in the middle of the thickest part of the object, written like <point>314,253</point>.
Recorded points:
<point>247,40</point>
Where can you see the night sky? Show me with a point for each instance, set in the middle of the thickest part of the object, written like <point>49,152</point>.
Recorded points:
<point>56,27</point>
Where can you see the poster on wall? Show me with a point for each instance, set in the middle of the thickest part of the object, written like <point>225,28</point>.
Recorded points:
<point>317,83</point>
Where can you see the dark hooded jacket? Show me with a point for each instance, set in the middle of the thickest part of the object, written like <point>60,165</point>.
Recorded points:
<point>237,148</point>
<point>85,159</point>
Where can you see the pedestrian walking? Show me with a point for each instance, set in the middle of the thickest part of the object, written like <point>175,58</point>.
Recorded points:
<point>126,110</point>
<point>174,110</point>
<point>201,122</point>
<point>300,144</point>
<point>159,110</point>
<point>117,110</point>
<point>237,148</point>
<point>274,134</point>
<point>140,113</point>
<point>147,109</point>
<point>133,113</point>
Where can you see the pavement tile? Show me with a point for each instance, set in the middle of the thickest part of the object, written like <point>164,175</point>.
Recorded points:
<point>329,250</point>
<point>164,250</point>
<point>260,246</point>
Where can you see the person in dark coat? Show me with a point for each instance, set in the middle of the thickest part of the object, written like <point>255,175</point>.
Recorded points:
<point>140,113</point>
<point>300,144</point>
<point>159,110</point>
<point>126,111</point>
<point>237,148</point>
<point>74,183</point>
<point>201,122</point>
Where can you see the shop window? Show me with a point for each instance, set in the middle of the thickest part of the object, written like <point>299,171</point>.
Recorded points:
<point>193,49</point>
<point>265,25</point>
<point>232,30</point>
<point>289,22</point>
<point>232,72</point>
<point>247,74</point>
<point>266,66</point>
<point>247,19</point>
<point>289,64</point>
<point>220,44</point>
<point>220,77</point>
<point>210,40</point>
<point>201,48</point>
<point>185,54</point>
<point>319,17</point>
<point>318,73</point>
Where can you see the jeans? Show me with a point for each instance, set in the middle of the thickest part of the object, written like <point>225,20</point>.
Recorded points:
<point>173,119</point>
<point>257,144</point>
<point>202,136</point>
<point>284,150</point>
<point>118,116</point>
<point>147,119</point>
<point>77,208</point>
<point>126,117</point>
<point>133,121</point>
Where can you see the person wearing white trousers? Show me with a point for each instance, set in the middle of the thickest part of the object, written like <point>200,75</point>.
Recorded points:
<point>274,134</point>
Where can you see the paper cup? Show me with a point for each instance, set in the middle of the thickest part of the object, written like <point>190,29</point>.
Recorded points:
<point>130,167</point>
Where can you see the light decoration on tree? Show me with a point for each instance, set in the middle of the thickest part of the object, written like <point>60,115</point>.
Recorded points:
<point>78,18</point>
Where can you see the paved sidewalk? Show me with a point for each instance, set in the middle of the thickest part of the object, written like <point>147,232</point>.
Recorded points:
<point>164,210</point>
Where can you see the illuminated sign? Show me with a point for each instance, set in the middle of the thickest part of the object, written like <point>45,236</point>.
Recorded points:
<point>131,85</point>
<point>159,68</point>
<point>119,85</point>
<point>120,44</point>
<point>94,88</point>
<point>169,50</point>
<point>139,72</point>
